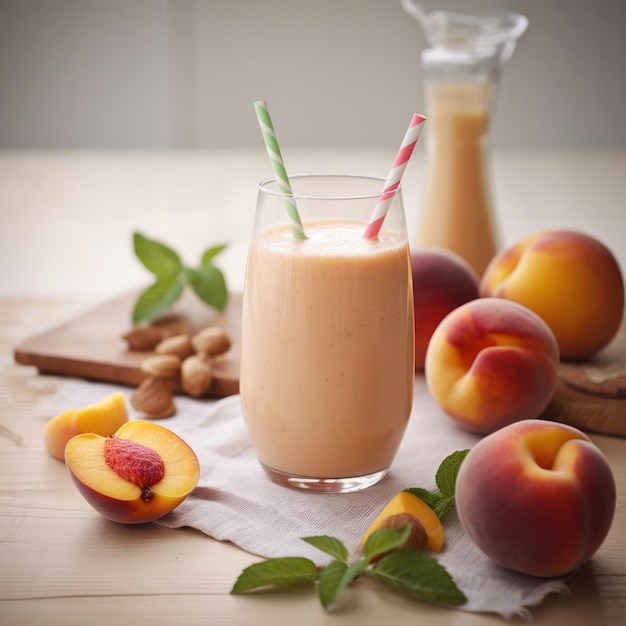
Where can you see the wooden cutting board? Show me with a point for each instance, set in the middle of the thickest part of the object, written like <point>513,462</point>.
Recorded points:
<point>591,395</point>
<point>90,346</point>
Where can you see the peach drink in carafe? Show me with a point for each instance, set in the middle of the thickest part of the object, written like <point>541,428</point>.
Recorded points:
<point>460,76</point>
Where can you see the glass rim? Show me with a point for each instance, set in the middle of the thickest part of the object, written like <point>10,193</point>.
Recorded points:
<point>263,187</point>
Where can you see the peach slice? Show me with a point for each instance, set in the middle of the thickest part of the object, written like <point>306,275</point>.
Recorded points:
<point>405,502</point>
<point>137,475</point>
<point>103,418</point>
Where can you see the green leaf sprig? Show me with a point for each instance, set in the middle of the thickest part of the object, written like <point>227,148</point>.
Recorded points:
<point>442,500</point>
<point>171,276</point>
<point>383,558</point>
<point>405,569</point>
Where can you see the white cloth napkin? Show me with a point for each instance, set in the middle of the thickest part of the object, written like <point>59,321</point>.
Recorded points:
<point>235,501</point>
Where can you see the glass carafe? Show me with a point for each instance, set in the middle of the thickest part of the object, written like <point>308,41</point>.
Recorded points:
<point>460,71</point>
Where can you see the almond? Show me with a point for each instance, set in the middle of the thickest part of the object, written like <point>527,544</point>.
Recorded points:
<point>418,537</point>
<point>196,376</point>
<point>180,345</point>
<point>154,398</point>
<point>162,366</point>
<point>143,337</point>
<point>211,341</point>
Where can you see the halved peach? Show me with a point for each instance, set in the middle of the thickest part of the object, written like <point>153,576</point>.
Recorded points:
<point>103,418</point>
<point>405,502</point>
<point>137,475</point>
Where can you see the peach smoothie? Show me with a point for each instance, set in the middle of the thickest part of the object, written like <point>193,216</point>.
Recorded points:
<point>327,369</point>
<point>458,213</point>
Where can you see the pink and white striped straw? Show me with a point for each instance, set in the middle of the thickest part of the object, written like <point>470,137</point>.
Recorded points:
<point>393,179</point>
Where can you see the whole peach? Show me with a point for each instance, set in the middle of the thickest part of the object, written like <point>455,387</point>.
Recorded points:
<point>492,362</point>
<point>537,497</point>
<point>442,281</point>
<point>568,278</point>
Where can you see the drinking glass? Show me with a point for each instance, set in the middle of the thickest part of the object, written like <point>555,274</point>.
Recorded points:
<point>327,354</point>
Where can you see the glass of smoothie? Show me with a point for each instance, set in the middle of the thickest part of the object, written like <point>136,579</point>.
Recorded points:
<point>327,353</point>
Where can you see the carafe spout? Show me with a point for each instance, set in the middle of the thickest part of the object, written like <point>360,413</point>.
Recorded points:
<point>489,32</point>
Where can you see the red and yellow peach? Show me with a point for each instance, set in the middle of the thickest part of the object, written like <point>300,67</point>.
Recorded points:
<point>409,504</point>
<point>138,475</point>
<point>492,362</point>
<point>103,418</point>
<point>537,497</point>
<point>442,281</point>
<point>569,279</point>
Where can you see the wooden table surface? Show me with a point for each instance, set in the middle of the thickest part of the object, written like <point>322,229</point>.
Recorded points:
<point>65,226</point>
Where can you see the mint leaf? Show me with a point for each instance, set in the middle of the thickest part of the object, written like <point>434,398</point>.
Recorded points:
<point>418,574</point>
<point>209,284</point>
<point>156,256</point>
<point>383,540</point>
<point>329,545</point>
<point>444,504</point>
<point>282,572</point>
<point>335,577</point>
<point>442,501</point>
<point>207,281</point>
<point>210,253</point>
<point>448,470</point>
<point>330,582</point>
<point>430,498</point>
<point>157,298</point>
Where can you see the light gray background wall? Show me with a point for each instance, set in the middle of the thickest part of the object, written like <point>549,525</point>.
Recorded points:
<point>184,73</point>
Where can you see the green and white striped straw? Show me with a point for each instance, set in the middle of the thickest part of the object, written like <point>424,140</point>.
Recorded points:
<point>276,159</point>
